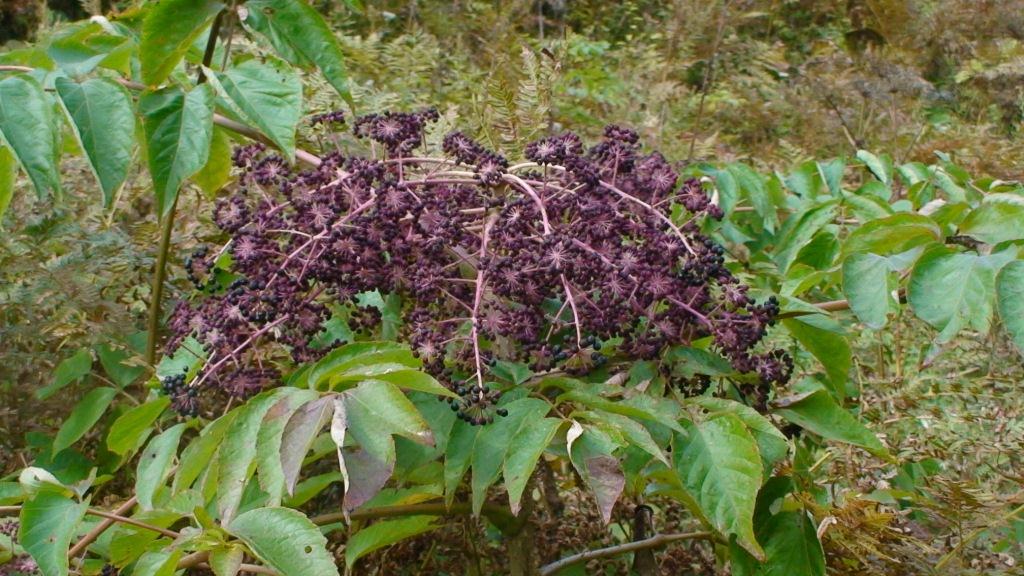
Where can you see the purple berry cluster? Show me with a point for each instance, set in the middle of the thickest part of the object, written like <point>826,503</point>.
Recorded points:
<point>9,528</point>
<point>566,261</point>
<point>22,564</point>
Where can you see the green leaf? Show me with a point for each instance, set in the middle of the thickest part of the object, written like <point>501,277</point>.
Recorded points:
<point>69,370</point>
<point>383,534</point>
<point>355,355</point>
<point>155,464</point>
<point>867,286</point>
<point>952,290</point>
<point>268,443</point>
<point>881,169</point>
<point>157,563</point>
<point>752,185</point>
<point>524,451</point>
<point>48,522</point>
<point>867,208</point>
<point>170,28</point>
<point>310,487</point>
<point>719,466</point>
<point>409,380</point>
<point>893,235</point>
<point>458,457</point>
<point>11,493</point>
<point>818,412</point>
<point>104,123</point>
<point>791,545</point>
<point>267,95</point>
<point>302,428</point>
<point>771,443</point>
<point>8,171</point>
<point>591,453</point>
<point>131,427</point>
<point>913,173</point>
<point>300,35</point>
<point>113,363</point>
<point>728,190</point>
<point>372,413</point>
<point>794,237</point>
<point>376,407</point>
<point>826,340</point>
<point>945,182</point>
<point>492,444</point>
<point>642,407</point>
<point>128,542</point>
<point>999,218</point>
<point>628,429</point>
<point>179,129</point>
<point>227,561</point>
<point>28,126</point>
<point>198,456</point>
<point>217,171</point>
<point>832,174</point>
<point>805,180</point>
<point>1010,299</point>
<point>285,539</point>
<point>85,415</point>
<point>238,452</point>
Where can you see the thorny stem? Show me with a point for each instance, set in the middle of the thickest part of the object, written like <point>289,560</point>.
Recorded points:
<point>652,542</point>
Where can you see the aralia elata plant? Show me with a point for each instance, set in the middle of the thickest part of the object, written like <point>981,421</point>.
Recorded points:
<point>561,262</point>
<point>573,307</point>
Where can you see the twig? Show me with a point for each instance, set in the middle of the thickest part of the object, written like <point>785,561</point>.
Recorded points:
<point>575,313</point>
<point>498,514</point>
<point>652,542</point>
<point>14,510</point>
<point>255,336</point>
<point>100,528</point>
<point>653,211</point>
<point>252,568</point>
<point>481,281</point>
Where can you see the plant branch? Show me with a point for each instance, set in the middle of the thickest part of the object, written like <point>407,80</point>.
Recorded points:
<point>652,542</point>
<point>15,510</point>
<point>211,46</point>
<point>496,513</point>
<point>100,528</point>
<point>159,274</point>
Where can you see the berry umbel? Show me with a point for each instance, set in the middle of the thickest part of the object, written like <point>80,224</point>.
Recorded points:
<point>545,261</point>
